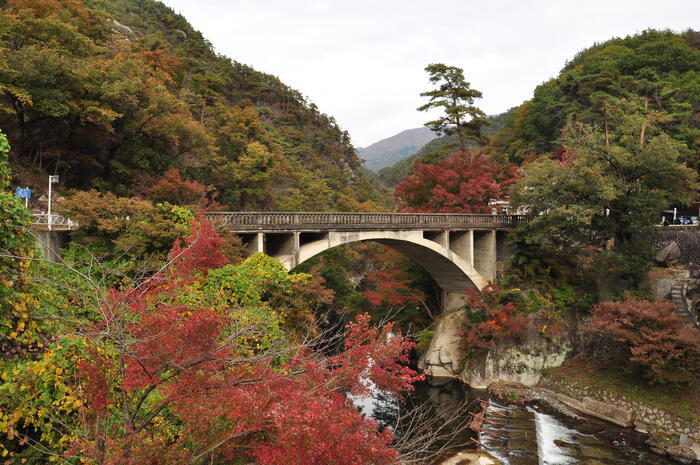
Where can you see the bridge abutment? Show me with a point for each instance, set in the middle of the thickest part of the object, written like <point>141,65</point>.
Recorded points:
<point>50,243</point>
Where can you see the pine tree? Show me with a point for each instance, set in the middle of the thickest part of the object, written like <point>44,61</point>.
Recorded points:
<point>455,95</point>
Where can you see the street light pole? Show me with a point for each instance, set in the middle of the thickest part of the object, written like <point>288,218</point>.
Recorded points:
<point>52,179</point>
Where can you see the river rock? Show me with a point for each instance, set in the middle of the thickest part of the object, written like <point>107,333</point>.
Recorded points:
<point>682,454</point>
<point>669,254</point>
<point>641,426</point>
<point>560,443</point>
<point>469,458</point>
<point>684,440</point>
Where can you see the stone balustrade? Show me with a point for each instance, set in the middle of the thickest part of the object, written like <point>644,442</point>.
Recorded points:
<point>246,221</point>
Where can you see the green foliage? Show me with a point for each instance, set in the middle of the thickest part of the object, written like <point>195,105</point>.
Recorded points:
<point>423,338</point>
<point>33,392</point>
<point>656,69</point>
<point>604,186</point>
<point>113,225</point>
<point>4,165</point>
<point>16,252</point>
<point>563,297</point>
<point>261,293</point>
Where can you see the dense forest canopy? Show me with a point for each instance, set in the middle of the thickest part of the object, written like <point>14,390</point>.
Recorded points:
<point>111,94</point>
<point>656,73</point>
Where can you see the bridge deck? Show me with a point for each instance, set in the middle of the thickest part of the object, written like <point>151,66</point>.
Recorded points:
<point>271,221</point>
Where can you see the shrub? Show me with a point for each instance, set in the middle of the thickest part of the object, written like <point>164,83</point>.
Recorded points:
<point>492,317</point>
<point>651,337</point>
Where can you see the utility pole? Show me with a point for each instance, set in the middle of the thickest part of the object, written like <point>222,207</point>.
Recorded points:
<point>52,179</point>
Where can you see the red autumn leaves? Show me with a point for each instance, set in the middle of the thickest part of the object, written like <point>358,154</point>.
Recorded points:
<point>460,183</point>
<point>166,382</point>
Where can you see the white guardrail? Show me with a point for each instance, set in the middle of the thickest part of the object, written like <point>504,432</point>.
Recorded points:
<point>52,221</point>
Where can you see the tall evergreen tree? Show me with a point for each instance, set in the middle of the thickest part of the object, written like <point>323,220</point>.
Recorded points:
<point>456,97</point>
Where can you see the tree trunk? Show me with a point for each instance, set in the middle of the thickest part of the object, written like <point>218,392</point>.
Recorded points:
<point>643,132</point>
<point>605,123</point>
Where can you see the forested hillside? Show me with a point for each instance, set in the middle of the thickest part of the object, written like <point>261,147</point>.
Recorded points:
<point>655,74</point>
<point>110,94</point>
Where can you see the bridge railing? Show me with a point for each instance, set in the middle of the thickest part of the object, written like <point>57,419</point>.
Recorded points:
<point>279,220</point>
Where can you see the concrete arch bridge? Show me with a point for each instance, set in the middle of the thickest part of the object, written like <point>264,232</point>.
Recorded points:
<point>460,251</point>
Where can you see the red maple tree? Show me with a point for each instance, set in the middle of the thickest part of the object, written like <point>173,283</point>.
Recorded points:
<point>652,336</point>
<point>461,183</point>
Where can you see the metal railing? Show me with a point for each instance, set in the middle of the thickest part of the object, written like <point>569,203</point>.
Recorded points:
<point>57,222</point>
<point>294,220</point>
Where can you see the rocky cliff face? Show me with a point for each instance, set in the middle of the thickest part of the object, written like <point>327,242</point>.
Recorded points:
<point>513,361</point>
<point>446,354</point>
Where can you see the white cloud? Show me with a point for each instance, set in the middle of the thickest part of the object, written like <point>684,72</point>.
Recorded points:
<point>362,61</point>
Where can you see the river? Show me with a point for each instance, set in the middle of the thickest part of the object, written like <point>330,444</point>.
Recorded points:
<point>520,434</point>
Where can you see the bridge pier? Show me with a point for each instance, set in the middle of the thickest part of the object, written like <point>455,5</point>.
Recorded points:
<point>462,243</point>
<point>50,243</point>
<point>451,301</point>
<point>484,247</point>
<point>253,243</point>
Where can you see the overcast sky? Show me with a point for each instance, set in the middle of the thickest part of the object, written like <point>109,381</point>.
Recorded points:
<point>362,61</point>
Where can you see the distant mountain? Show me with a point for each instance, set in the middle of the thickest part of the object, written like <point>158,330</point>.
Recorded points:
<point>393,149</point>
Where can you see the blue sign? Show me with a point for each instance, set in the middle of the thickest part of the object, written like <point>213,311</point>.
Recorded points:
<point>23,192</point>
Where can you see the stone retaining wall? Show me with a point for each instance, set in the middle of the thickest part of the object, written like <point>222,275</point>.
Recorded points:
<point>686,238</point>
<point>644,417</point>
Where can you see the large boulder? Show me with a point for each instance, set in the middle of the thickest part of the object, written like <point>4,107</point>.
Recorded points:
<point>515,361</point>
<point>682,454</point>
<point>669,254</point>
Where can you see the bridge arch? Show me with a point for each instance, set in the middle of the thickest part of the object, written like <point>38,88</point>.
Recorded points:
<point>460,251</point>
<point>449,270</point>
